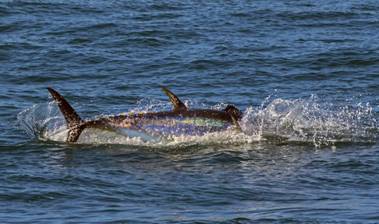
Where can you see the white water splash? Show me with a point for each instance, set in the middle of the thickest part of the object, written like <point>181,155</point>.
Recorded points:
<point>43,121</point>
<point>308,120</point>
<point>279,120</point>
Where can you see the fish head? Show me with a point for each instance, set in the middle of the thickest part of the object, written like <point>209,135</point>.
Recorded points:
<point>233,112</point>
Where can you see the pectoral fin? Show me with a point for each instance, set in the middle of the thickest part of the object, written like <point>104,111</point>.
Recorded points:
<point>178,105</point>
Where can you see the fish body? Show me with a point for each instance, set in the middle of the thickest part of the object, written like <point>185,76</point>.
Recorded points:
<point>151,125</point>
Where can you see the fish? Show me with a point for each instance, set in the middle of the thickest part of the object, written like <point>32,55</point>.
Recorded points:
<point>150,125</point>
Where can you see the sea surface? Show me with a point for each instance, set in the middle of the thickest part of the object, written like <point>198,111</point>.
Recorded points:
<point>304,73</point>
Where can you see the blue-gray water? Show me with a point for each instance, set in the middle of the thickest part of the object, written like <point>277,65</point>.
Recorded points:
<point>305,73</point>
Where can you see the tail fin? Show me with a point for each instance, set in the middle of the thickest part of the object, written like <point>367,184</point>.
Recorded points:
<point>73,120</point>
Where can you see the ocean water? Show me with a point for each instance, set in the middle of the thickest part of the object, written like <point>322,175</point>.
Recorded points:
<point>304,73</point>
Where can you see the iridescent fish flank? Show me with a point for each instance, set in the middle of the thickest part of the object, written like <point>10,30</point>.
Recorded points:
<point>151,125</point>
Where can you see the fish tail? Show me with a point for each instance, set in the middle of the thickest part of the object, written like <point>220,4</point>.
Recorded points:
<point>73,121</point>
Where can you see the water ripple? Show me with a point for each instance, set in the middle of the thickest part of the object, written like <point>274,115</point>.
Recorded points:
<point>304,159</point>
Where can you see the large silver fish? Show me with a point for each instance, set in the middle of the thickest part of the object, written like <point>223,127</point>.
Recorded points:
<point>179,121</point>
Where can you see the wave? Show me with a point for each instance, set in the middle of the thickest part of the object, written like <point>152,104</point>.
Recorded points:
<point>283,121</point>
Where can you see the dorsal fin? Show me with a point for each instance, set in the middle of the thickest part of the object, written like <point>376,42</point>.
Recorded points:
<point>178,105</point>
